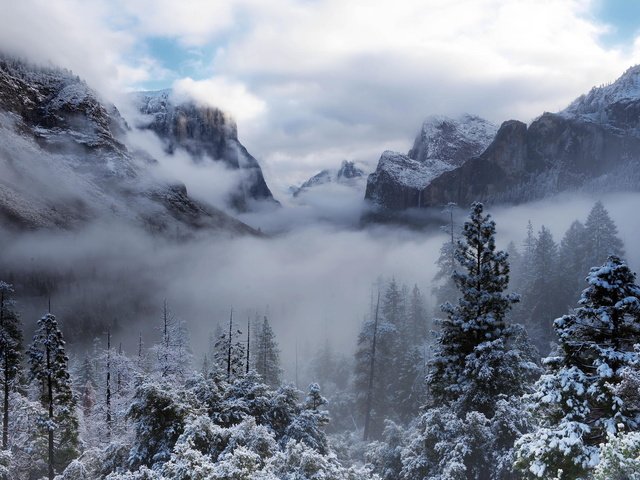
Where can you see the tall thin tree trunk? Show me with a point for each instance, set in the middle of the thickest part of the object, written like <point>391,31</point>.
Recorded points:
<point>367,416</point>
<point>229,347</point>
<point>50,395</point>
<point>248,341</point>
<point>109,382</point>
<point>5,353</point>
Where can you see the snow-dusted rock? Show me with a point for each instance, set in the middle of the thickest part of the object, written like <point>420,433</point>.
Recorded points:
<point>64,161</point>
<point>442,145</point>
<point>208,134</point>
<point>348,174</point>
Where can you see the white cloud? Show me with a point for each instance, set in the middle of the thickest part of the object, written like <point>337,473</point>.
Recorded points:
<point>227,95</point>
<point>340,79</point>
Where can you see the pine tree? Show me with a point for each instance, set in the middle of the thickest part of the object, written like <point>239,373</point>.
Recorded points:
<point>173,353</point>
<point>572,258</point>
<point>418,321</point>
<point>543,300</point>
<point>472,362</point>
<point>601,235</point>
<point>446,291</point>
<point>49,367</point>
<point>478,371</point>
<point>230,352</point>
<point>10,350</point>
<point>267,355</point>
<point>590,388</point>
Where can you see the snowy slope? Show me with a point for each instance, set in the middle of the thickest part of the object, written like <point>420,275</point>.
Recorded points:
<point>442,145</point>
<point>348,174</point>
<point>207,134</point>
<point>64,161</point>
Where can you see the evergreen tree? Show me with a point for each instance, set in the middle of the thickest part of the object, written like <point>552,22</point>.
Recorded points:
<point>572,258</point>
<point>267,355</point>
<point>446,290</point>
<point>173,353</point>
<point>601,236</point>
<point>473,363</point>
<point>10,353</point>
<point>417,317</point>
<point>230,352</point>
<point>49,367</point>
<point>477,374</point>
<point>543,299</point>
<point>590,388</point>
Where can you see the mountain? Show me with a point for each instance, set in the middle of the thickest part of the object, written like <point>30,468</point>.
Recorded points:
<point>347,174</point>
<point>65,162</point>
<point>442,145</point>
<point>208,134</point>
<point>592,145</point>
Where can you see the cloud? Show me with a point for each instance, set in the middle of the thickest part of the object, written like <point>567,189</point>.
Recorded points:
<point>314,82</point>
<point>229,96</point>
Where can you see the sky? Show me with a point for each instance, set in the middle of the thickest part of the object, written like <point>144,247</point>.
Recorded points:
<point>313,82</point>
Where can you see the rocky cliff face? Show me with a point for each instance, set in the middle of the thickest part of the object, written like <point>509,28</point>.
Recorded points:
<point>347,174</point>
<point>594,144</point>
<point>64,161</point>
<point>208,135</point>
<point>443,144</point>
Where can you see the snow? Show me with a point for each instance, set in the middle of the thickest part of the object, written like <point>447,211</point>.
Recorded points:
<point>592,106</point>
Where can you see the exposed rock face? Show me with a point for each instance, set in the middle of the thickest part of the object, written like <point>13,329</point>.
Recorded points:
<point>347,174</point>
<point>63,161</point>
<point>208,135</point>
<point>443,144</point>
<point>594,144</point>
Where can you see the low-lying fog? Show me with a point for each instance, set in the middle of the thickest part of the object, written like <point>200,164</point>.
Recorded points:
<point>315,281</point>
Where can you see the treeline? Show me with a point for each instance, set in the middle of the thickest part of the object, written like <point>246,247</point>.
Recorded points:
<point>465,396</point>
<point>492,409</point>
<point>151,416</point>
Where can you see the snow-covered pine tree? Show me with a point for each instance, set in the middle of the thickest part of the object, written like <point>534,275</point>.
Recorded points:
<point>477,373</point>
<point>173,353</point>
<point>601,235</point>
<point>267,355</point>
<point>49,368</point>
<point>229,352</point>
<point>473,363</point>
<point>585,393</point>
<point>10,353</point>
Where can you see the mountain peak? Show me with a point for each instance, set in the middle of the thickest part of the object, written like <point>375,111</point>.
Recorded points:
<point>600,105</point>
<point>452,140</point>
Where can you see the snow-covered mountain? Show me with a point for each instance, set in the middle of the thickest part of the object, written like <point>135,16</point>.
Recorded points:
<point>442,144</point>
<point>348,174</point>
<point>594,144</point>
<point>208,134</point>
<point>64,161</point>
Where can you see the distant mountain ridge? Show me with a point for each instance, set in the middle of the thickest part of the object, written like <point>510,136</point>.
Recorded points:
<point>205,133</point>
<point>593,144</point>
<point>443,144</point>
<point>347,174</point>
<point>65,161</point>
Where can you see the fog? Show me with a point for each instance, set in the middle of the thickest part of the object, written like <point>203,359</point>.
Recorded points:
<point>313,279</point>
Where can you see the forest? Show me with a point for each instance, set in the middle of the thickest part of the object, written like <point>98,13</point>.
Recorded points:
<point>519,363</point>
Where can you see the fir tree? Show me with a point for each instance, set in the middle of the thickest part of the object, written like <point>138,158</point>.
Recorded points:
<point>572,258</point>
<point>472,362</point>
<point>446,290</point>
<point>267,355</point>
<point>10,353</point>
<point>543,300</point>
<point>601,235</point>
<point>49,367</point>
<point>590,388</point>
<point>230,352</point>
